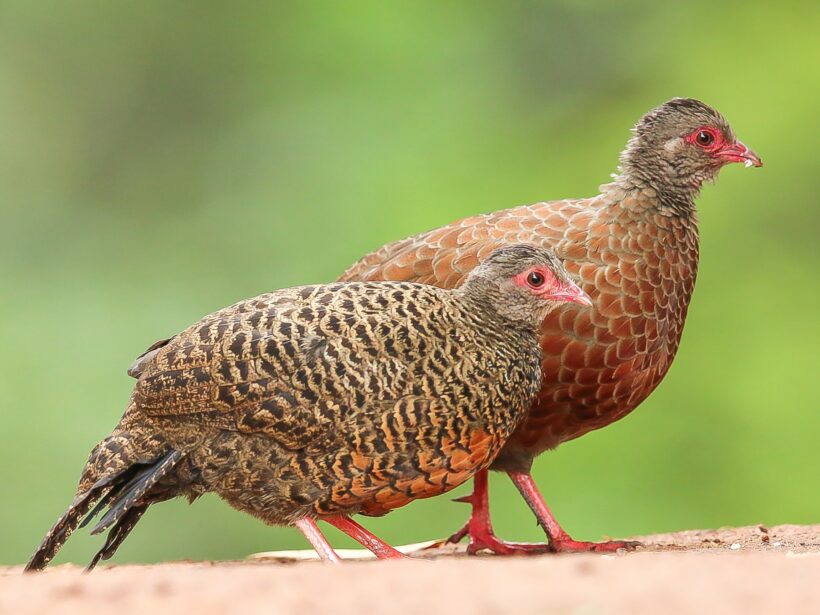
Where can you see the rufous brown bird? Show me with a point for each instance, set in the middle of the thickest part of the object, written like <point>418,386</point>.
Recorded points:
<point>635,249</point>
<point>320,402</point>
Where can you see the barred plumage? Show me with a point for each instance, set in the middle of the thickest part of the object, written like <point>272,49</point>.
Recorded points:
<point>329,400</point>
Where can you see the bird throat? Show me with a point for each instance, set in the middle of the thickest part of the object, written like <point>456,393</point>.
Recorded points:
<point>674,192</point>
<point>667,200</point>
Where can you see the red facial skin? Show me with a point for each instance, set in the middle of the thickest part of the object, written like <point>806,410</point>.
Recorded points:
<point>550,288</point>
<point>715,142</point>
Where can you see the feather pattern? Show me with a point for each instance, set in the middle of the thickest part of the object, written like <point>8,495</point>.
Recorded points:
<point>325,400</point>
<point>637,264</point>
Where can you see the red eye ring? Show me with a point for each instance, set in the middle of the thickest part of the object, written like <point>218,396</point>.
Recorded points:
<point>535,279</point>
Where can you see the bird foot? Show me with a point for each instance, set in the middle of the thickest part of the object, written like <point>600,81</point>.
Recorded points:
<point>495,545</point>
<point>568,545</point>
<point>484,540</point>
<point>457,537</point>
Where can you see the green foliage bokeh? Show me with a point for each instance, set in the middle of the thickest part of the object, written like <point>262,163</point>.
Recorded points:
<point>159,161</point>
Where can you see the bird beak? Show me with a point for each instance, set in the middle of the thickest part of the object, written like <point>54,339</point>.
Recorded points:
<point>738,152</point>
<point>571,293</point>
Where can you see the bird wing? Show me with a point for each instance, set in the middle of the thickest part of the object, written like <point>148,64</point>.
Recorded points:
<point>293,365</point>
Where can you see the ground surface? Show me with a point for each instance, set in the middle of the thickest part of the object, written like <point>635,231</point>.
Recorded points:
<point>743,570</point>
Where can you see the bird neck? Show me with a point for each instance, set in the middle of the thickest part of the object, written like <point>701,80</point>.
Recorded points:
<point>653,175</point>
<point>489,309</point>
<point>667,202</point>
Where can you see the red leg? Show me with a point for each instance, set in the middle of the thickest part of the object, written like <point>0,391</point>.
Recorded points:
<point>560,541</point>
<point>314,536</point>
<point>380,549</point>
<point>480,529</point>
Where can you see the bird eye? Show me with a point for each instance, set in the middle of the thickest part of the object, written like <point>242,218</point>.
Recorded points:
<point>705,138</point>
<point>535,279</point>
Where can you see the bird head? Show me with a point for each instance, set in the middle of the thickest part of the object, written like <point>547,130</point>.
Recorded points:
<point>524,283</point>
<point>681,144</point>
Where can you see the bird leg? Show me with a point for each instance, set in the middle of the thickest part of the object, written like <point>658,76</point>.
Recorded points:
<point>559,540</point>
<point>373,543</point>
<point>314,536</point>
<point>480,530</point>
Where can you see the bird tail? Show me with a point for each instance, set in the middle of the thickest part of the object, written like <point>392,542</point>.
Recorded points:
<point>120,474</point>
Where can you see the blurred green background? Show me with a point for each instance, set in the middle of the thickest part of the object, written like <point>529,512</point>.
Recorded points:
<point>161,160</point>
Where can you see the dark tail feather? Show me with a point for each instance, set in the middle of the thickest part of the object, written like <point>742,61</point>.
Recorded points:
<point>118,534</point>
<point>97,510</point>
<point>121,490</point>
<point>138,475</point>
<point>132,492</point>
<point>67,523</point>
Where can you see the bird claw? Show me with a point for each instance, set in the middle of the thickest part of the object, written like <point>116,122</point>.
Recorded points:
<point>568,545</point>
<point>502,547</point>
<point>464,499</point>
<point>458,536</point>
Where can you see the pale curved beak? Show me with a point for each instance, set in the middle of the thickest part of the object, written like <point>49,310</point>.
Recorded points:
<point>572,293</point>
<point>738,152</point>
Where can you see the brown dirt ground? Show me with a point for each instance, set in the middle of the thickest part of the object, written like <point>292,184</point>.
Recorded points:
<point>743,570</point>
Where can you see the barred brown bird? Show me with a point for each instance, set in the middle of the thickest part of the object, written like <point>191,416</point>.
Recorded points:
<point>320,402</point>
<point>635,248</point>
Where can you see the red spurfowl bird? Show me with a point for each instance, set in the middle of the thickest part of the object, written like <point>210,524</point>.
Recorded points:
<point>634,248</point>
<point>320,402</point>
